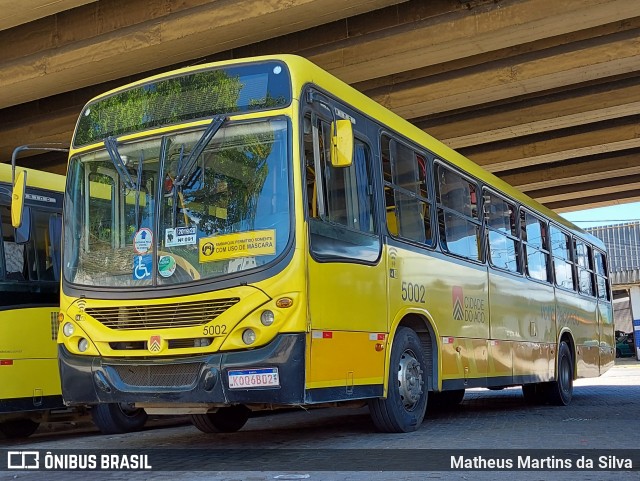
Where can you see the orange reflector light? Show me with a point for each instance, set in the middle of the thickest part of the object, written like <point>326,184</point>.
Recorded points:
<point>284,302</point>
<point>60,317</point>
<point>6,362</point>
<point>379,347</point>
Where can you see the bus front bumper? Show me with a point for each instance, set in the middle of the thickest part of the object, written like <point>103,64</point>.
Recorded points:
<point>189,380</point>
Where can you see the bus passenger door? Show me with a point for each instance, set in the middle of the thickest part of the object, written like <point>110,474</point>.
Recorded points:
<point>346,282</point>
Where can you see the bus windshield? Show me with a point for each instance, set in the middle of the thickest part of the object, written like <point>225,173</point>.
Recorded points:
<point>142,217</point>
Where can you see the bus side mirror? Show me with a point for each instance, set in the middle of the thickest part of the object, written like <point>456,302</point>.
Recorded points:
<point>23,233</point>
<point>341,143</point>
<point>17,199</point>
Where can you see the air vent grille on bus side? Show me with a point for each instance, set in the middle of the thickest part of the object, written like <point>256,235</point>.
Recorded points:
<point>180,314</point>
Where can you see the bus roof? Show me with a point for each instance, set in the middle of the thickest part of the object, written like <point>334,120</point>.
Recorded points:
<point>35,178</point>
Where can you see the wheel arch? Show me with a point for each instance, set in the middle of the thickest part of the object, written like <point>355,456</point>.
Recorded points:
<point>567,336</point>
<point>422,324</point>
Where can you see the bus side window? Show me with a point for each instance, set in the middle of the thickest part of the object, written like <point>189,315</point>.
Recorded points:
<point>535,247</point>
<point>458,214</point>
<point>602,283</point>
<point>407,198</point>
<point>562,262</point>
<point>585,268</point>
<point>14,253</point>
<point>14,260</point>
<point>340,199</point>
<point>502,232</point>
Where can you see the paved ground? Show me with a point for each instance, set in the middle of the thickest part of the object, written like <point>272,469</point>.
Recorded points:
<point>604,414</point>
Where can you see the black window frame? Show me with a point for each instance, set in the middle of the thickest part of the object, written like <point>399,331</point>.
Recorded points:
<point>605,276</point>
<point>442,210</point>
<point>545,249</point>
<point>569,261</point>
<point>395,188</point>
<point>590,269</point>
<point>486,190</point>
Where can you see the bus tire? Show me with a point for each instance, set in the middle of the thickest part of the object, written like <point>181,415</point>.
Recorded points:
<point>534,393</point>
<point>403,409</point>
<point>445,399</point>
<point>225,420</point>
<point>118,418</point>
<point>18,428</point>
<point>560,391</point>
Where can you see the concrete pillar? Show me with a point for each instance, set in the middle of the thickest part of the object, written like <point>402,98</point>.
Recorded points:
<point>634,293</point>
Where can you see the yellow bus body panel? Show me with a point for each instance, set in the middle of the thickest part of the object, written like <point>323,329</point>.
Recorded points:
<point>329,368</point>
<point>29,351</point>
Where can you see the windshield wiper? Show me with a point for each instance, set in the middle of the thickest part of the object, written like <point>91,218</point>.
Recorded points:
<point>111,145</point>
<point>184,168</point>
<point>139,183</point>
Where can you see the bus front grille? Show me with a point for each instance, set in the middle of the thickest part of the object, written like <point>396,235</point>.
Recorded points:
<point>179,314</point>
<point>161,375</point>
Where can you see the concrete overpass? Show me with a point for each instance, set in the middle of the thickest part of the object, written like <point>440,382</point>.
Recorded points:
<point>544,93</point>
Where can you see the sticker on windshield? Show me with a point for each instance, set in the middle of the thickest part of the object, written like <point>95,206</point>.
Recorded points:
<point>142,240</point>
<point>180,236</point>
<point>166,266</point>
<point>142,267</point>
<point>241,244</point>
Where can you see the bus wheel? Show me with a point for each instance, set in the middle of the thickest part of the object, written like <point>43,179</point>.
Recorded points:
<point>118,418</point>
<point>404,407</point>
<point>534,393</point>
<point>224,420</point>
<point>560,391</point>
<point>18,428</point>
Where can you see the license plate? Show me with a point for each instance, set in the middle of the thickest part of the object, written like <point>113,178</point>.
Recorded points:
<point>250,378</point>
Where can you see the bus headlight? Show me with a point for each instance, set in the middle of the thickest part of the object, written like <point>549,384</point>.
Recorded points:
<point>249,336</point>
<point>83,345</point>
<point>68,329</point>
<point>267,318</point>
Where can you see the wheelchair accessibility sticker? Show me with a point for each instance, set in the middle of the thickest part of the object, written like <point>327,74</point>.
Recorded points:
<point>142,267</point>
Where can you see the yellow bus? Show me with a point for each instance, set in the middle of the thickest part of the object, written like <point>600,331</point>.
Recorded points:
<point>29,279</point>
<point>255,233</point>
<point>30,390</point>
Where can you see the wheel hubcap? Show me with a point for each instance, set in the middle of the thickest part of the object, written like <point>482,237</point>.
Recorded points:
<point>410,381</point>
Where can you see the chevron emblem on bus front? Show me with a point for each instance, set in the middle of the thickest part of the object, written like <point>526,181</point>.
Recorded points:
<point>155,344</point>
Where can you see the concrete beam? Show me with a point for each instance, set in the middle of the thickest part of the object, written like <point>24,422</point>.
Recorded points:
<point>560,67</point>
<point>29,10</point>
<point>587,189</point>
<point>606,200</point>
<point>520,118</point>
<point>104,54</point>
<point>55,128</point>
<point>574,171</point>
<point>608,137</point>
<point>464,32</point>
